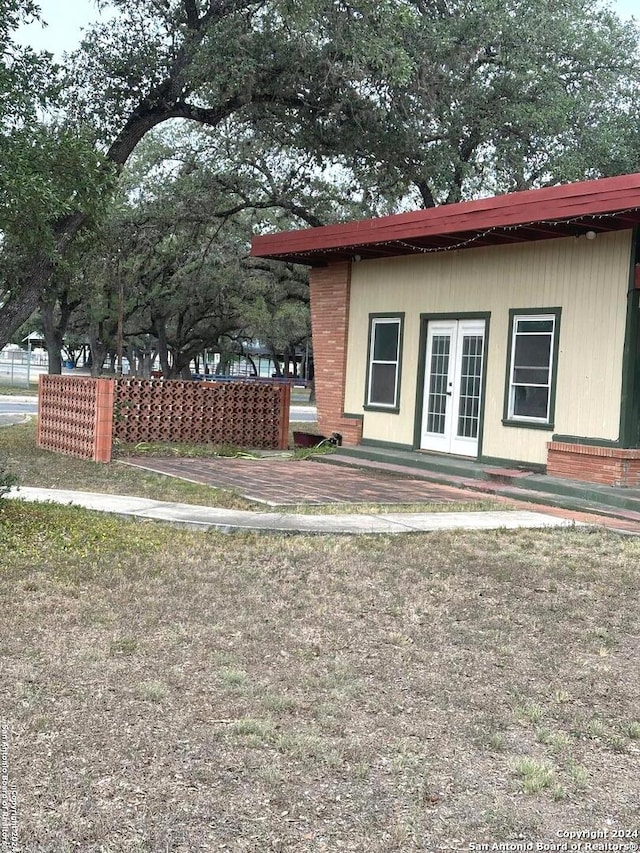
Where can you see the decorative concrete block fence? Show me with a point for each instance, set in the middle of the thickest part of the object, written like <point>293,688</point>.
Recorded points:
<point>81,416</point>
<point>75,416</point>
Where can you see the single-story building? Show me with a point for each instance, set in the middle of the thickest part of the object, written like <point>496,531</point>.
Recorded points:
<point>506,329</point>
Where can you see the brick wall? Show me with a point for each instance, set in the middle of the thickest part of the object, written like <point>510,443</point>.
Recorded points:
<point>609,466</point>
<point>330,291</point>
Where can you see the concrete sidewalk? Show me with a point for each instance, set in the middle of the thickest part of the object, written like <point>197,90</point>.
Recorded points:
<point>226,520</point>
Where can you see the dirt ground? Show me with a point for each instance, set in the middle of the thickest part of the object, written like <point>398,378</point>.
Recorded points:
<point>175,691</point>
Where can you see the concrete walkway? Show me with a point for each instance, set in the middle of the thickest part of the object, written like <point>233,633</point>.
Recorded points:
<point>228,520</point>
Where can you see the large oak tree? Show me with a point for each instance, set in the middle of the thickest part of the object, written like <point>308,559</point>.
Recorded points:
<point>421,101</point>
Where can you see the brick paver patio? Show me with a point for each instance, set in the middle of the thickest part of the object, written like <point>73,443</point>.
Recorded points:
<point>283,482</point>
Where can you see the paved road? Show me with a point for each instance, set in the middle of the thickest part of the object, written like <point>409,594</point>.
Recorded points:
<point>306,414</point>
<point>8,406</point>
<point>18,406</point>
<point>14,410</point>
<point>16,374</point>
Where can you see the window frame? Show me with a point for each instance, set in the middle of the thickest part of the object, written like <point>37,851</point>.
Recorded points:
<point>396,318</point>
<point>528,315</point>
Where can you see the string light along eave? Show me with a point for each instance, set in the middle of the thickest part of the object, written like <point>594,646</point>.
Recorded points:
<point>462,244</point>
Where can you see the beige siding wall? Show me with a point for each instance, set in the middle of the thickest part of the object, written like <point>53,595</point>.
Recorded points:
<point>587,279</point>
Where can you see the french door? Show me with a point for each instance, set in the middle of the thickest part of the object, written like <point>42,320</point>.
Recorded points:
<point>453,386</point>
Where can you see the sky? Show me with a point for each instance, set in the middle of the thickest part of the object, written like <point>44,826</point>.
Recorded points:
<point>66,19</point>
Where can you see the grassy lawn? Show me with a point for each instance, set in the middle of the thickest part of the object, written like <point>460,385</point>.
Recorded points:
<point>174,691</point>
<point>19,391</point>
<point>35,467</point>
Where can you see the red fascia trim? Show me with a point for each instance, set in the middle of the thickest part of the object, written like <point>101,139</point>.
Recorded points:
<point>569,201</point>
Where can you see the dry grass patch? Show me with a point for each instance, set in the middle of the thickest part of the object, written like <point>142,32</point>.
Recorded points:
<point>175,691</point>
<point>44,469</point>
<point>19,391</point>
<point>480,505</point>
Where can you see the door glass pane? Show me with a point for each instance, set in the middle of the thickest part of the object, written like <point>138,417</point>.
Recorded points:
<point>438,380</point>
<point>470,378</point>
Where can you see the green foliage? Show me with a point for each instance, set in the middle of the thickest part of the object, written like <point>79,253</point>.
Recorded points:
<point>25,77</point>
<point>27,85</point>
<point>301,453</point>
<point>507,96</point>
<point>50,173</point>
<point>315,111</point>
<point>176,240</point>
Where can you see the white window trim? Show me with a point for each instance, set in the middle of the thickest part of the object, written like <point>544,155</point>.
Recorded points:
<point>549,385</point>
<point>375,321</point>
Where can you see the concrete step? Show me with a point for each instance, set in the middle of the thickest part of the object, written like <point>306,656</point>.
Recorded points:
<point>514,484</point>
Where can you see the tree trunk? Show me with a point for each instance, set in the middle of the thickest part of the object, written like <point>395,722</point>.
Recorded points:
<point>223,364</point>
<point>277,369</point>
<point>163,347</point>
<point>55,329</point>
<point>146,360</point>
<point>52,341</point>
<point>24,297</point>
<point>98,354</point>
<point>254,369</point>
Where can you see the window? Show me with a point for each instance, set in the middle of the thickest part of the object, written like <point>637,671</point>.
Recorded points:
<point>383,380</point>
<point>532,357</point>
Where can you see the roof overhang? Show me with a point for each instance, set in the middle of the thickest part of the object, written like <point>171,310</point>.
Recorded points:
<point>570,210</point>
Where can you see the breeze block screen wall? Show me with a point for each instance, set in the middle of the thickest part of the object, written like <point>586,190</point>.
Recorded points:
<point>243,413</point>
<point>81,416</point>
<point>75,416</point>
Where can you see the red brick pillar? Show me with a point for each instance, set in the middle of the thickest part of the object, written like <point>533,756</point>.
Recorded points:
<point>330,290</point>
<point>103,423</point>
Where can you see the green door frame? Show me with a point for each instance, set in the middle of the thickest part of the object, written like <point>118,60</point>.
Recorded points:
<point>422,367</point>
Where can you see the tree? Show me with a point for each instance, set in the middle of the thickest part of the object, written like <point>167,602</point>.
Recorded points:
<point>172,259</point>
<point>23,73</point>
<point>204,61</point>
<point>399,100</point>
<point>506,96</point>
<point>50,174</point>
